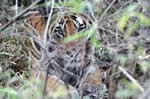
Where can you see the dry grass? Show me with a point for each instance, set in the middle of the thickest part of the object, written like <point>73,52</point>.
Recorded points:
<point>123,34</point>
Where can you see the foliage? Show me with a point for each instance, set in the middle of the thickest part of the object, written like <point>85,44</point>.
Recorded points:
<point>123,32</point>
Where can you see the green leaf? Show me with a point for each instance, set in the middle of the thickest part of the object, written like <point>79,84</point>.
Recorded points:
<point>133,27</point>
<point>145,65</point>
<point>144,20</point>
<point>94,41</point>
<point>5,53</point>
<point>75,4</point>
<point>127,13</point>
<point>124,93</point>
<point>11,92</point>
<point>123,21</point>
<point>75,36</point>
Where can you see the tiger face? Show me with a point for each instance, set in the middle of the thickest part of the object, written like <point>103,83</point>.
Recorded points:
<point>69,24</point>
<point>61,26</point>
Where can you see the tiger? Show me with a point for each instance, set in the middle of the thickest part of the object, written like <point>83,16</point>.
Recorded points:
<point>71,61</point>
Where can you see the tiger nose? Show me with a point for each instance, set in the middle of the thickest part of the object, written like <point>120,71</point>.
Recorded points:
<point>70,29</point>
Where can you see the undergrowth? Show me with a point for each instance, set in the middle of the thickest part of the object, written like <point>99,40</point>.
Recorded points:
<point>120,35</point>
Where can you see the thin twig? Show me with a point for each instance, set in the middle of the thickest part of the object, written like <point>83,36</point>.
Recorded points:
<point>16,7</point>
<point>45,40</point>
<point>100,19</point>
<point>131,78</point>
<point>47,24</point>
<point>46,79</point>
<point>20,14</point>
<point>116,12</point>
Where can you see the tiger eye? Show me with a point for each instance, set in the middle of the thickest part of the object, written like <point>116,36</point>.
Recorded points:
<point>59,32</point>
<point>90,22</point>
<point>73,17</point>
<point>68,52</point>
<point>51,49</point>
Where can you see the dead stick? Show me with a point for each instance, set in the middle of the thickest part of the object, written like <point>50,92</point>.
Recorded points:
<point>45,83</point>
